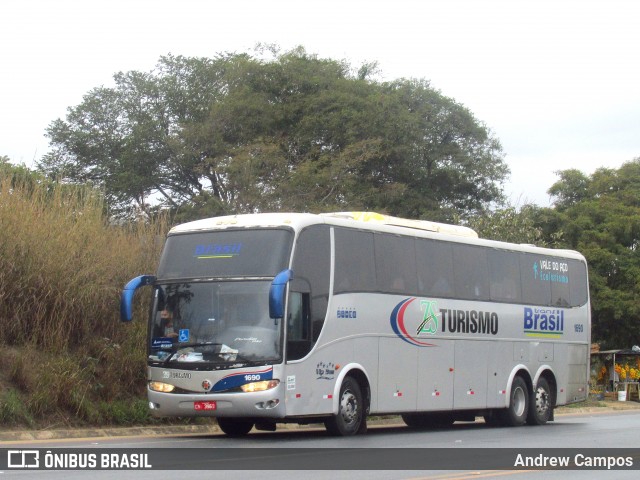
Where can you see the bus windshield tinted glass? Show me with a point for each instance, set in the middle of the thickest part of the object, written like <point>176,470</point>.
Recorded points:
<point>228,253</point>
<point>219,322</point>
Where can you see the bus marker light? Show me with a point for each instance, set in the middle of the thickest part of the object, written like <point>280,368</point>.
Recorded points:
<point>327,397</point>
<point>435,394</point>
<point>205,405</point>
<point>397,394</point>
<point>298,395</point>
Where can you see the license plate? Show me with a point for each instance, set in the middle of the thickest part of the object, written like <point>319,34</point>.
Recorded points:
<point>204,405</point>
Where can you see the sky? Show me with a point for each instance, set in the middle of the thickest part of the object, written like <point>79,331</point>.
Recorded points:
<point>557,82</point>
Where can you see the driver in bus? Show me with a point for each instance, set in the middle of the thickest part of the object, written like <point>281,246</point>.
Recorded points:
<point>166,328</point>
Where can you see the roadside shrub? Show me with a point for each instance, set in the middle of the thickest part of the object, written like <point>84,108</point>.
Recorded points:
<point>62,269</point>
<point>62,265</point>
<point>13,410</point>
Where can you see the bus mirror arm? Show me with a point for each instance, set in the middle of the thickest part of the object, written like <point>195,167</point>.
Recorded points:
<point>277,294</point>
<point>126,299</point>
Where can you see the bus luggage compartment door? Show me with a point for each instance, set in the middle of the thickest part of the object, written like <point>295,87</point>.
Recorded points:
<point>470,380</point>
<point>397,378</point>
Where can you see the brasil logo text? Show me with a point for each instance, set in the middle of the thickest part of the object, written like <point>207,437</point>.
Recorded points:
<point>409,324</point>
<point>543,322</point>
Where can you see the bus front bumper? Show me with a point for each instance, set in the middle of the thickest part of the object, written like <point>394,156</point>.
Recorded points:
<point>267,404</point>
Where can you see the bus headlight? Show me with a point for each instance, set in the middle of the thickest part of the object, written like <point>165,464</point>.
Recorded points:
<point>161,387</point>
<point>259,386</point>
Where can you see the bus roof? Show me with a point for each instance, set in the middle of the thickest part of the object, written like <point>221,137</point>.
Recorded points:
<point>374,221</point>
<point>427,225</point>
<point>301,219</point>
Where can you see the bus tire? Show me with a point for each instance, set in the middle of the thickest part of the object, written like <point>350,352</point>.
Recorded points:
<point>235,427</point>
<point>516,413</point>
<point>350,419</point>
<point>540,405</point>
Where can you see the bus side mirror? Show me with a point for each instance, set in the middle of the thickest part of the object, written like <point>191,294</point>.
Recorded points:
<point>126,300</point>
<point>277,293</point>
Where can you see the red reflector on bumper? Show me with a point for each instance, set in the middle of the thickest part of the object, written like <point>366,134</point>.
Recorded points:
<point>204,405</point>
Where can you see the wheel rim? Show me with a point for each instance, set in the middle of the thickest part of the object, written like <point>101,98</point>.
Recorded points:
<point>542,401</point>
<point>519,401</point>
<point>348,407</point>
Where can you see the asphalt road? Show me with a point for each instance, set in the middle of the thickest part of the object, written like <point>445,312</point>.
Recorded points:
<point>613,430</point>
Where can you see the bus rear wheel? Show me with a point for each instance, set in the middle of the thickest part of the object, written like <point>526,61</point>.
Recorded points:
<point>235,427</point>
<point>541,404</point>
<point>517,411</point>
<point>350,419</point>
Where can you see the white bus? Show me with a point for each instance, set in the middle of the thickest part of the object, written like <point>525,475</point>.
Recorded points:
<point>275,318</point>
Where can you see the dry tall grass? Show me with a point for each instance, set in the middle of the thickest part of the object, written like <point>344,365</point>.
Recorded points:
<point>62,268</point>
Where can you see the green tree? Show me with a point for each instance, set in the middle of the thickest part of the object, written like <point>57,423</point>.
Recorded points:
<point>516,225</point>
<point>238,133</point>
<point>599,215</point>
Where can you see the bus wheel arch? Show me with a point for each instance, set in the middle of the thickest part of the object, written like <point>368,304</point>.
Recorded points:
<point>352,403</point>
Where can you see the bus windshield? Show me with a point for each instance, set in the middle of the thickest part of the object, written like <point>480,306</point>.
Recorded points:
<point>213,322</point>
<point>225,254</point>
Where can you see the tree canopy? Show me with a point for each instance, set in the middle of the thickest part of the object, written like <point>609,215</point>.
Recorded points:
<point>239,133</point>
<point>599,215</point>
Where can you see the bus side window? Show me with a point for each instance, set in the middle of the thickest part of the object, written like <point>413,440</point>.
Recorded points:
<point>434,262</point>
<point>578,283</point>
<point>355,269</point>
<point>470,272</point>
<point>395,259</point>
<point>504,271</point>
<point>536,288</point>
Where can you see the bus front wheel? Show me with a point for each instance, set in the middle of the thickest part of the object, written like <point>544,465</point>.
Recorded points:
<point>235,427</point>
<point>350,419</point>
